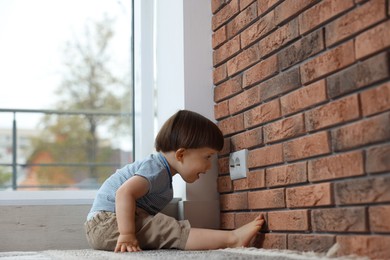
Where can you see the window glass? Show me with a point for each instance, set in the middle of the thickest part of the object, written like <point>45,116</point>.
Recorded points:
<point>66,100</point>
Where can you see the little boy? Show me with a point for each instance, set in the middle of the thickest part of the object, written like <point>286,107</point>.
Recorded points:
<point>125,213</point>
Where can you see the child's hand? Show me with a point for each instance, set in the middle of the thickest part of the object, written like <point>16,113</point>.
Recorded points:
<point>127,243</point>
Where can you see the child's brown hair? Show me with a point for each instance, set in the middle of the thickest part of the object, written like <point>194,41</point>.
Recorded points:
<point>188,129</point>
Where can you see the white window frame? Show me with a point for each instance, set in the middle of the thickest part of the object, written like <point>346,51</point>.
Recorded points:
<point>19,198</point>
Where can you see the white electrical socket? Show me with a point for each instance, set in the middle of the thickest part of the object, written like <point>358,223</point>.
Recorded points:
<point>238,165</point>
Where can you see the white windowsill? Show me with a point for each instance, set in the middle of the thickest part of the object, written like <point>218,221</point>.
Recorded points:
<point>74,197</point>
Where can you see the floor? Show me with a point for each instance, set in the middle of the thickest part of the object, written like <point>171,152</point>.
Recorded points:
<point>236,253</point>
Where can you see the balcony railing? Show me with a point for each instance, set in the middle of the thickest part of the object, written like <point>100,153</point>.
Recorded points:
<point>15,164</point>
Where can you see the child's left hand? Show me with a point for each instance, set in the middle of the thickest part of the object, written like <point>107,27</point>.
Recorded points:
<point>127,243</point>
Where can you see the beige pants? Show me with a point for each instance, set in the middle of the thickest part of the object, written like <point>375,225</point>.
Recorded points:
<point>152,232</point>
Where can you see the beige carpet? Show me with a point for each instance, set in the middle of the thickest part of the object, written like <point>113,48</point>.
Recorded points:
<point>224,254</point>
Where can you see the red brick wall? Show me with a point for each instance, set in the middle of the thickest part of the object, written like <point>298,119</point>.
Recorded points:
<point>304,85</point>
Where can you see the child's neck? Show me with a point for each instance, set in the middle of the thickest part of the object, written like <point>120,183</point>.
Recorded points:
<point>171,159</point>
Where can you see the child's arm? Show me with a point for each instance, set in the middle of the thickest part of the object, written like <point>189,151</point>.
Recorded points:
<point>125,205</point>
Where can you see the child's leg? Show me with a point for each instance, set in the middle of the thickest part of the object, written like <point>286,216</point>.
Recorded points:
<point>201,239</point>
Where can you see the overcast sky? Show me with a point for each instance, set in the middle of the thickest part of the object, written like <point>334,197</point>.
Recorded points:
<point>32,36</point>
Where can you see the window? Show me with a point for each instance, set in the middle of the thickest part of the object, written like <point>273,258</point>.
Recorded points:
<point>66,107</point>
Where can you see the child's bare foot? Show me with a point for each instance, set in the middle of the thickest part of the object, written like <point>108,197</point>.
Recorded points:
<point>243,235</point>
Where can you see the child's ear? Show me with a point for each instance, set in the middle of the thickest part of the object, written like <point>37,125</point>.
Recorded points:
<point>179,154</point>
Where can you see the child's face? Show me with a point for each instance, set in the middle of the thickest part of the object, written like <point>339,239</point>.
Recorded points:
<point>195,162</point>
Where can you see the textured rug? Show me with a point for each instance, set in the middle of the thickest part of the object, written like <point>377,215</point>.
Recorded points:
<point>223,254</point>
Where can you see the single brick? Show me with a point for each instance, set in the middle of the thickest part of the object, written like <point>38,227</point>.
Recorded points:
<point>246,99</point>
<point>290,8</point>
<point>223,165</point>
<point>262,114</point>
<point>279,84</point>
<point>260,71</point>
<point>328,62</point>
<point>283,129</point>
<point>378,216</point>
<point>351,219</point>
<point>286,174</point>
<point>362,191</point>
<point>378,159</point>
<point>279,38</point>
<point>234,201</point>
<point>374,40</point>
<point>256,179</point>
<point>221,109</point>
<point>266,155</point>
<point>223,15</point>
<point>232,125</point>
<point>301,50</point>
<point>257,30</point>
<point>228,88</point>
<point>266,199</point>
<point>291,220</point>
<point>311,243</point>
<point>321,13</point>
<point>224,184</point>
<point>219,74</point>
<point>227,220</point>
<point>247,139</point>
<point>309,196</point>
<point>371,130</point>
<point>335,167</point>
<point>307,146</point>
<point>219,37</point>
<point>376,100</point>
<point>304,97</point>
<point>241,184</point>
<point>272,241</point>
<point>373,246</point>
<point>360,75</point>
<point>339,111</point>
<point>355,21</point>
<point>226,51</point>
<point>244,18</point>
